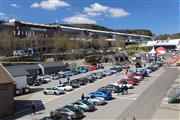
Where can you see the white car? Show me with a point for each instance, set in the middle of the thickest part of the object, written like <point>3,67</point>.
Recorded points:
<point>120,85</point>
<point>53,91</point>
<point>48,79</point>
<point>65,87</point>
<point>95,100</point>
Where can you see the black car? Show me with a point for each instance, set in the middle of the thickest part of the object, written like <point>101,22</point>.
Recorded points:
<point>59,116</point>
<point>81,81</point>
<point>111,89</point>
<point>32,82</point>
<point>89,78</point>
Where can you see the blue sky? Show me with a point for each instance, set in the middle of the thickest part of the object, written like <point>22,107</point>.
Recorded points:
<point>160,16</point>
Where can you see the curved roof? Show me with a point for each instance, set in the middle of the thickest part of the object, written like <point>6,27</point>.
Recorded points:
<point>160,49</point>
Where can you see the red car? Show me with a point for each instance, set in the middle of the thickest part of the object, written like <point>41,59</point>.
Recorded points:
<point>139,77</point>
<point>125,81</point>
<point>91,68</point>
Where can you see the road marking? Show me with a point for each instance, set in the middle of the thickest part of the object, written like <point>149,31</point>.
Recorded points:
<point>128,96</point>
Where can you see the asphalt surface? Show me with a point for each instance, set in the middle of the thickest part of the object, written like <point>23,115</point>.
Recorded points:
<point>141,102</point>
<point>145,106</point>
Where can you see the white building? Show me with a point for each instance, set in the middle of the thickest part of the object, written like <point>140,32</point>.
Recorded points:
<point>171,44</point>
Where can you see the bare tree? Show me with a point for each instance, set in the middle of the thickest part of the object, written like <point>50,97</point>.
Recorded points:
<point>100,42</point>
<point>119,42</point>
<point>60,42</point>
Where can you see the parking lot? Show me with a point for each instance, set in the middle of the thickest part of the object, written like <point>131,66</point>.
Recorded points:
<point>149,91</point>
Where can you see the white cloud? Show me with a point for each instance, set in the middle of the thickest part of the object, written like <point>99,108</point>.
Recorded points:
<point>95,9</point>
<point>117,12</point>
<point>14,5</point>
<point>2,14</point>
<point>79,18</point>
<point>50,4</point>
<point>35,5</point>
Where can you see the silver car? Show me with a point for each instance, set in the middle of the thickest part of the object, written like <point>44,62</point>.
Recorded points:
<point>95,100</point>
<point>84,105</point>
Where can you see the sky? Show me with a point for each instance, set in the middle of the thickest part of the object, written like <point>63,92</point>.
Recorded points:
<point>159,16</point>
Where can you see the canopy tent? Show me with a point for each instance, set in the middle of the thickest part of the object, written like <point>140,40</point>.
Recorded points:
<point>152,51</point>
<point>161,50</point>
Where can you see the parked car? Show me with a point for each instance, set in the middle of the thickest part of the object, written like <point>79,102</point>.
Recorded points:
<point>32,82</point>
<point>65,87</point>
<point>59,116</point>
<point>107,72</point>
<point>95,100</point>
<point>97,75</point>
<point>90,78</point>
<point>111,88</point>
<point>84,105</point>
<point>104,94</point>
<point>67,74</point>
<point>53,91</point>
<point>72,83</point>
<point>120,83</point>
<point>71,111</point>
<point>82,69</point>
<point>91,68</point>
<point>81,81</point>
<point>54,76</point>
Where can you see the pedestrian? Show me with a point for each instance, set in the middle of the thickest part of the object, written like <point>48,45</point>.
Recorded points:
<point>68,79</point>
<point>122,89</point>
<point>33,108</point>
<point>82,96</point>
<point>126,89</point>
<point>134,118</point>
<point>60,82</point>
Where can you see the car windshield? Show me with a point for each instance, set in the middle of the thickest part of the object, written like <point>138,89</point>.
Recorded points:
<point>86,102</point>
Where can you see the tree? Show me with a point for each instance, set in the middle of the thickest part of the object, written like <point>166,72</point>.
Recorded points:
<point>6,42</point>
<point>119,42</point>
<point>100,42</point>
<point>60,42</point>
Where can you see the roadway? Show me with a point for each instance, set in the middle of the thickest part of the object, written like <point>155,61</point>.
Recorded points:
<point>123,106</point>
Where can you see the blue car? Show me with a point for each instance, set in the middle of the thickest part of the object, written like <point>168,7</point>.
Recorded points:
<point>81,70</point>
<point>67,74</point>
<point>103,94</point>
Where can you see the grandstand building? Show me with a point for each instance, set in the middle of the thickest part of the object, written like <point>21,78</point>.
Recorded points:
<point>25,29</point>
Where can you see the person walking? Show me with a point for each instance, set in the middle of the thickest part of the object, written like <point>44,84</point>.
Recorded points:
<point>82,96</point>
<point>33,108</point>
<point>60,82</point>
<point>68,79</point>
<point>122,89</point>
<point>126,89</point>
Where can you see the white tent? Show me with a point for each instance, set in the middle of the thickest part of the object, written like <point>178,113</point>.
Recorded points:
<point>152,52</point>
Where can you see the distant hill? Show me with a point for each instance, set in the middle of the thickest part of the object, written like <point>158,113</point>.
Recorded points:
<point>98,27</point>
<point>168,36</point>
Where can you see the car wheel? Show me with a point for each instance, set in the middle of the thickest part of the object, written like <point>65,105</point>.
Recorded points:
<point>45,93</point>
<point>95,103</point>
<point>55,93</point>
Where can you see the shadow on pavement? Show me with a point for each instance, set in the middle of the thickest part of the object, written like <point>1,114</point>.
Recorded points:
<point>23,108</point>
<point>33,90</point>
